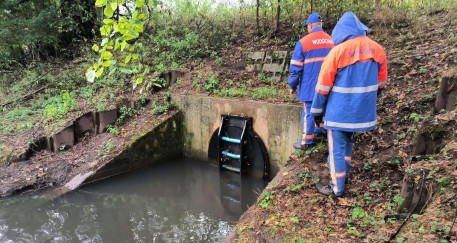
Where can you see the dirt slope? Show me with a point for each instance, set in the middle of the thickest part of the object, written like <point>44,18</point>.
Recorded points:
<point>384,164</point>
<point>49,169</point>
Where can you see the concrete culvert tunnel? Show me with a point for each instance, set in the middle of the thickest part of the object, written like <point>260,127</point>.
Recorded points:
<point>238,148</point>
<point>272,132</point>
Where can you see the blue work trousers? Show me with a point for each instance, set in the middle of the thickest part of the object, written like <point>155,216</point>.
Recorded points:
<point>339,158</point>
<point>307,121</point>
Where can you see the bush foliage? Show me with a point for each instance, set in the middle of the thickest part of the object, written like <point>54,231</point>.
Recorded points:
<point>39,29</point>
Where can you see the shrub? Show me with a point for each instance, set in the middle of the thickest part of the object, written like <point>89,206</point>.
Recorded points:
<point>58,106</point>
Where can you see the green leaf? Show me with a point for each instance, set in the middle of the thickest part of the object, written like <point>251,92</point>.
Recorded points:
<point>134,15</point>
<point>135,56</point>
<point>104,41</point>
<point>139,80</point>
<point>99,72</point>
<point>139,28</point>
<point>106,55</point>
<point>128,58</point>
<point>139,3</point>
<point>105,30</point>
<point>113,5</point>
<point>141,16</point>
<point>108,11</point>
<point>357,212</point>
<point>106,63</point>
<point>130,35</point>
<point>95,47</point>
<point>108,21</point>
<point>124,45</point>
<point>127,71</point>
<point>100,3</point>
<point>90,76</point>
<point>112,70</point>
<point>117,46</point>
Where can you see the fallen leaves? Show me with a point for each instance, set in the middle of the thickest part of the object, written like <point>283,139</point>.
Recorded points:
<point>343,201</point>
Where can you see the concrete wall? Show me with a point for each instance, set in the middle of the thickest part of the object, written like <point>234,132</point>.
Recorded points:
<point>278,125</point>
<point>162,143</point>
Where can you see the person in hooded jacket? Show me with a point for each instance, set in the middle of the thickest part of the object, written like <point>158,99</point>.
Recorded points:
<point>351,77</point>
<point>305,65</point>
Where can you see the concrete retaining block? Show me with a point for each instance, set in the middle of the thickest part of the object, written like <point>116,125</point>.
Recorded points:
<point>274,64</point>
<point>86,123</point>
<point>91,122</point>
<point>166,77</point>
<point>447,94</point>
<point>106,118</point>
<point>64,139</point>
<point>171,77</point>
<point>174,75</point>
<point>254,61</point>
<point>38,145</point>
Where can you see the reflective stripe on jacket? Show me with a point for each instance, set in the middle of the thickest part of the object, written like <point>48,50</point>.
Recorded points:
<point>350,77</point>
<point>306,62</point>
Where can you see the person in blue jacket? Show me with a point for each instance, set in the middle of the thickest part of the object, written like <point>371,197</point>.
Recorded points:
<point>305,65</point>
<point>351,77</point>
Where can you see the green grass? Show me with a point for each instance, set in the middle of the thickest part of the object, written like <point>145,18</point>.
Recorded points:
<point>65,90</point>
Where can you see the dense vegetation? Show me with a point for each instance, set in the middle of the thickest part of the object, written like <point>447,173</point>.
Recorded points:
<point>35,30</point>
<point>51,44</point>
<point>50,49</point>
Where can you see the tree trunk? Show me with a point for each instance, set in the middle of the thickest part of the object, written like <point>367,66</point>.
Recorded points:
<point>311,6</point>
<point>278,12</point>
<point>301,14</point>
<point>257,16</point>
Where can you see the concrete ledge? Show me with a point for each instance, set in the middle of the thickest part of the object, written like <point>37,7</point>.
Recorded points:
<point>162,143</point>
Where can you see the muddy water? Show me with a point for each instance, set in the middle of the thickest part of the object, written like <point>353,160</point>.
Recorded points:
<point>180,201</point>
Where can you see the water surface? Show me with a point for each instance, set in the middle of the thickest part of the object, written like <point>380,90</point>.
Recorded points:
<point>178,201</point>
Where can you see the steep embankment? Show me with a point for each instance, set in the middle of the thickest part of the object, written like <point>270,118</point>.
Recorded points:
<point>411,155</point>
<point>45,169</point>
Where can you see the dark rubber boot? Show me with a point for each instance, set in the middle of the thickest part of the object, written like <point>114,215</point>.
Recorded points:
<point>298,145</point>
<point>325,190</point>
<point>320,136</point>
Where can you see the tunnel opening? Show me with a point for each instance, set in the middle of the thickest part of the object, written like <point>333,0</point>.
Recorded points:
<point>237,148</point>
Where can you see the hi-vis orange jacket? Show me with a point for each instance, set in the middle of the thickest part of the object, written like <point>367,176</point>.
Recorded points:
<point>306,62</point>
<point>349,79</point>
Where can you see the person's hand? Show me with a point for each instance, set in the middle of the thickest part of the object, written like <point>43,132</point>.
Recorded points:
<point>318,120</point>
<point>291,92</point>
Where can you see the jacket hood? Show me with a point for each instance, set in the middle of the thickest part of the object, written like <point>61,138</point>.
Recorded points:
<point>348,27</point>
